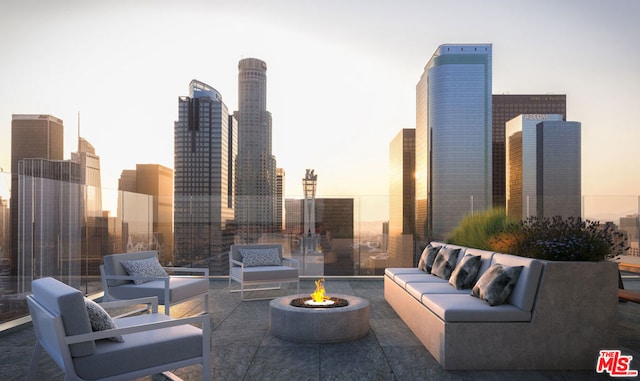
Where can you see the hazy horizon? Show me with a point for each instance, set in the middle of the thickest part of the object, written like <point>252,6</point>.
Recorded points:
<point>341,77</point>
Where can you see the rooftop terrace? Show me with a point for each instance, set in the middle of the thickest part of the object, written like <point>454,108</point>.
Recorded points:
<point>244,349</point>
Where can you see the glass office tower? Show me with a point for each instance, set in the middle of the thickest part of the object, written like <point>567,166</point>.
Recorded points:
<point>506,107</point>
<point>205,146</point>
<point>543,167</point>
<point>453,138</point>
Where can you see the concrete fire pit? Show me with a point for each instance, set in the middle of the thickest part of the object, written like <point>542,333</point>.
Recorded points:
<point>319,325</point>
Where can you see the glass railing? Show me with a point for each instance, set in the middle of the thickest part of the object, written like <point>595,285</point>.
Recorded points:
<point>62,229</point>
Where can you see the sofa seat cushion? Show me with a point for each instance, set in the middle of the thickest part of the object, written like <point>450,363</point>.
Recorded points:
<point>391,272</point>
<point>417,289</point>
<point>466,308</point>
<point>142,349</point>
<point>403,279</point>
<point>265,273</point>
<point>181,288</point>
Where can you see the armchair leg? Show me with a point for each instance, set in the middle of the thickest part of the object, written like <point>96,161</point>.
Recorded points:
<point>33,367</point>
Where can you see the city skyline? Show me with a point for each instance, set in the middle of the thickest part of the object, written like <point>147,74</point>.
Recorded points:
<point>338,93</point>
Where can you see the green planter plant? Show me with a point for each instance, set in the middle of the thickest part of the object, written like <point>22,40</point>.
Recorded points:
<point>558,239</point>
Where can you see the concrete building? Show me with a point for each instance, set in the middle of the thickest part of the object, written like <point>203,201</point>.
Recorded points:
<point>506,107</point>
<point>32,136</point>
<point>50,221</point>
<point>205,148</point>
<point>402,167</point>
<point>256,166</point>
<point>453,138</point>
<point>543,175</point>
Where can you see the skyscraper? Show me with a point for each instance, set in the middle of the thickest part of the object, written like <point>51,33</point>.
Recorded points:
<point>155,180</point>
<point>205,145</point>
<point>505,108</point>
<point>32,136</point>
<point>402,167</point>
<point>543,177</point>
<point>256,165</point>
<point>453,138</point>
<point>49,230</point>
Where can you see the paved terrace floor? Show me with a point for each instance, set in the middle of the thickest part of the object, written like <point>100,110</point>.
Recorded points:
<point>244,349</point>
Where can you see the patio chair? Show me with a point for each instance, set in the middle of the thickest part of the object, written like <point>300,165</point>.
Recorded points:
<point>146,277</point>
<point>152,343</point>
<point>261,265</point>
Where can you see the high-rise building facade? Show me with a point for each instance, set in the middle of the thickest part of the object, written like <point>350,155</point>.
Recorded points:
<point>402,169</point>
<point>453,138</point>
<point>32,136</point>
<point>157,181</point>
<point>90,177</point>
<point>505,108</point>
<point>205,145</point>
<point>280,194</point>
<point>256,166</point>
<point>50,221</point>
<point>543,176</point>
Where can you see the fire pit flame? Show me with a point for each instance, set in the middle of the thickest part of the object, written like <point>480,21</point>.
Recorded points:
<point>318,297</point>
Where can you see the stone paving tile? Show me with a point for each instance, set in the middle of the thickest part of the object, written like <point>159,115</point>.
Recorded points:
<point>243,348</point>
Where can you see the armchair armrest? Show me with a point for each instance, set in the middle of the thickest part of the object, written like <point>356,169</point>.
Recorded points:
<point>294,262</point>
<point>200,319</point>
<point>132,278</point>
<point>150,301</point>
<point>235,262</point>
<point>203,270</point>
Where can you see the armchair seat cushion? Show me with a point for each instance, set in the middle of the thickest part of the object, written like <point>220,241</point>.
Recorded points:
<point>181,288</point>
<point>265,273</point>
<point>141,350</point>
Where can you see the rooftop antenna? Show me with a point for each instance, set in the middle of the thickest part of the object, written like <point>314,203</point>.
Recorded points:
<point>78,131</point>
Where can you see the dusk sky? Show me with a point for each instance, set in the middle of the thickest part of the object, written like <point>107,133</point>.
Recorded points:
<point>341,75</point>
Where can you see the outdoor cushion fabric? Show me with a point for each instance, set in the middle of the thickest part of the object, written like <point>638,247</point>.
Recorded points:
<point>465,272</point>
<point>445,262</point>
<point>66,301</point>
<point>148,267</point>
<point>100,319</point>
<point>496,284</point>
<point>428,257</point>
<point>261,257</point>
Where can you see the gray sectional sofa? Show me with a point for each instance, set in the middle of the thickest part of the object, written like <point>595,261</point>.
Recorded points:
<point>558,316</point>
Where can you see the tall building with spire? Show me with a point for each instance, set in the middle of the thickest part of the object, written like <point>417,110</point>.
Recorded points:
<point>453,138</point>
<point>256,186</point>
<point>205,148</point>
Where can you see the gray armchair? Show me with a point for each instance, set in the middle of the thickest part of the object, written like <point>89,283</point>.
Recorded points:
<point>149,342</point>
<point>170,290</point>
<point>266,270</point>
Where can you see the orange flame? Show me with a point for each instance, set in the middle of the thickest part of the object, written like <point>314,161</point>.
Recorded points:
<point>318,295</point>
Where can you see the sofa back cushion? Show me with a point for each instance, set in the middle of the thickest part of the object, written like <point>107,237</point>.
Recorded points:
<point>67,302</point>
<point>524,294</point>
<point>112,264</point>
